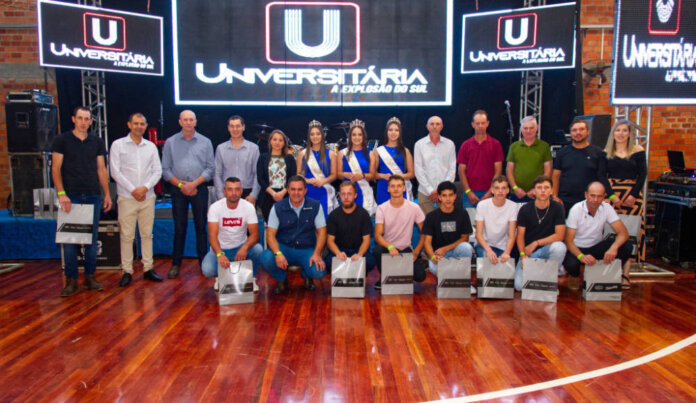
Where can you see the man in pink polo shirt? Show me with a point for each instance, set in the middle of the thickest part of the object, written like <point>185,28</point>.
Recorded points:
<point>480,158</point>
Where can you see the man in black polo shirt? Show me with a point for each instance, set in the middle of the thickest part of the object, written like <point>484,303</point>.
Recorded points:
<point>349,229</point>
<point>540,229</point>
<point>446,230</point>
<point>577,165</point>
<point>79,168</point>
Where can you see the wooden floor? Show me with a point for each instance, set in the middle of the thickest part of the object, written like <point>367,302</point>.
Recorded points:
<point>172,342</point>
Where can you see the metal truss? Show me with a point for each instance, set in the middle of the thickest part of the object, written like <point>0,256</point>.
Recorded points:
<point>532,84</point>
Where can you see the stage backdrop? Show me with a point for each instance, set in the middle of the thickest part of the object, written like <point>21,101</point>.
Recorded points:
<point>361,52</point>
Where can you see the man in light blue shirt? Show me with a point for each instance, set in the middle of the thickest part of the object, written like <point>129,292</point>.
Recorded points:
<point>237,158</point>
<point>187,163</point>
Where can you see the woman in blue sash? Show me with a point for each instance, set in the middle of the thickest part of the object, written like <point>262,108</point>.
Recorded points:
<point>318,165</point>
<point>356,165</point>
<point>392,158</point>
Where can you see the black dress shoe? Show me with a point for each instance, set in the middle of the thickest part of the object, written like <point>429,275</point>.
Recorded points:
<point>151,275</point>
<point>309,284</point>
<point>70,287</point>
<point>173,272</point>
<point>281,287</point>
<point>125,280</point>
<point>91,283</point>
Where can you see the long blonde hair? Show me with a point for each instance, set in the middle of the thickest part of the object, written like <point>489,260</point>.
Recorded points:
<point>610,149</point>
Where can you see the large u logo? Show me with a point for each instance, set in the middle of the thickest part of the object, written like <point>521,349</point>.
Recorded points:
<point>330,39</point>
<point>96,32</point>
<point>524,31</point>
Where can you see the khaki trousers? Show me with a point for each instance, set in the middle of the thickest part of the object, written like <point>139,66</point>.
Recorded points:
<point>425,203</point>
<point>130,212</point>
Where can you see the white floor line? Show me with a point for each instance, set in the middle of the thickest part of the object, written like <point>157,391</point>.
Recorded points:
<point>580,377</point>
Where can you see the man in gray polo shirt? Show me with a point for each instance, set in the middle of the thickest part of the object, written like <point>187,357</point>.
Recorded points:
<point>187,163</point>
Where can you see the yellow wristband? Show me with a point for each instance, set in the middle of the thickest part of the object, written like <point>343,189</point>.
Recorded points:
<point>580,256</point>
<point>432,258</point>
<point>466,192</point>
<point>179,185</point>
<point>220,254</point>
<point>514,187</point>
<point>522,253</point>
<point>390,247</point>
<point>612,196</point>
<point>278,253</point>
<point>62,192</point>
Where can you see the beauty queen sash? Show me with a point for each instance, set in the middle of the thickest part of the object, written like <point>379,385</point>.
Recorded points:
<point>368,198</point>
<point>394,168</point>
<point>313,166</point>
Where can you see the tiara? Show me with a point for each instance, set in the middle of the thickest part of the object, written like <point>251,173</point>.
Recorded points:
<point>315,123</point>
<point>357,123</point>
<point>394,120</point>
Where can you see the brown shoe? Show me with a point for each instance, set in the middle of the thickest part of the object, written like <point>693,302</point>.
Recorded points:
<point>173,272</point>
<point>281,287</point>
<point>574,283</point>
<point>70,287</point>
<point>91,283</point>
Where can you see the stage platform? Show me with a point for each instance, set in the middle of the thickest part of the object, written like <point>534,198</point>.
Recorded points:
<point>29,238</point>
<point>171,341</point>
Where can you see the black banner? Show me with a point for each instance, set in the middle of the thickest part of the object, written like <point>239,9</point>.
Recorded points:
<point>654,53</point>
<point>322,53</point>
<point>82,37</point>
<point>349,282</point>
<point>535,38</point>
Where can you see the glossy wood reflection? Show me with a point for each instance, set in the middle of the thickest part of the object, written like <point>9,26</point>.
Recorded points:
<point>171,341</point>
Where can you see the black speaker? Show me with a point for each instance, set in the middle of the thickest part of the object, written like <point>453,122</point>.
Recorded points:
<point>31,126</point>
<point>600,126</point>
<point>27,172</point>
<point>674,226</point>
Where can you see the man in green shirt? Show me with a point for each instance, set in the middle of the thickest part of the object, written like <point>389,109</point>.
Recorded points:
<point>527,158</point>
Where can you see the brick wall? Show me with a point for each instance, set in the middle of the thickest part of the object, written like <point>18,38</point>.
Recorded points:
<point>673,127</point>
<point>19,69</point>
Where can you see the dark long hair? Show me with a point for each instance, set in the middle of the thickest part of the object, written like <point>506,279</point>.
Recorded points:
<point>308,150</point>
<point>285,141</point>
<point>399,142</point>
<point>350,143</point>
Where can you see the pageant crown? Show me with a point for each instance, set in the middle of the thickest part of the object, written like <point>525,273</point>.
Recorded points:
<point>315,123</point>
<point>357,123</point>
<point>394,120</point>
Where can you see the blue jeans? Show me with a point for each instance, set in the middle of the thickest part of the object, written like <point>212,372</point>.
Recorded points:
<point>298,257</point>
<point>464,249</point>
<point>553,251</point>
<point>480,252</point>
<point>370,261</point>
<point>210,265</point>
<point>90,251</point>
<point>465,200</point>
<point>199,206</point>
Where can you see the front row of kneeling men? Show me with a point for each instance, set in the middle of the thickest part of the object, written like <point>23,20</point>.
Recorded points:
<point>297,231</point>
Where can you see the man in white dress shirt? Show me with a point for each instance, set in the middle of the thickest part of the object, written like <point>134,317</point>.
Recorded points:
<point>136,169</point>
<point>435,161</point>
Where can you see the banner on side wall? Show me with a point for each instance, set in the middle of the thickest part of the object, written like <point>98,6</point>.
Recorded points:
<point>654,53</point>
<point>321,53</point>
<point>535,38</point>
<point>91,38</point>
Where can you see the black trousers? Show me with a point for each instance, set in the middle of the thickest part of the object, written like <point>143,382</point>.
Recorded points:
<point>572,264</point>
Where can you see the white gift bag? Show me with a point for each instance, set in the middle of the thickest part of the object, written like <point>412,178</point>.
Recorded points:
<point>454,277</point>
<point>540,279</point>
<point>397,274</point>
<point>602,281</point>
<point>75,227</point>
<point>495,280</point>
<point>348,278</point>
<point>236,284</point>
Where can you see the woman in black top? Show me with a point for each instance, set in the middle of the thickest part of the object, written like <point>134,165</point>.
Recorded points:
<point>627,170</point>
<point>273,171</point>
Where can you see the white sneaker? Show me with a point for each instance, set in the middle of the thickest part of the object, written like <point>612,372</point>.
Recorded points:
<point>256,286</point>
<point>473,290</point>
<point>216,286</point>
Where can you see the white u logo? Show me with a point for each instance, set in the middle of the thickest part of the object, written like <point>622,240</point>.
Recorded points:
<point>330,38</point>
<point>524,32</point>
<point>96,32</point>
